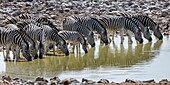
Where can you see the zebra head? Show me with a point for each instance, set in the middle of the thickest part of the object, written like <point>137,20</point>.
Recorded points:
<point>33,51</point>
<point>90,39</point>
<point>101,30</point>
<point>104,37</point>
<point>138,36</point>
<point>146,34</point>
<point>25,51</point>
<point>84,43</point>
<point>158,33</point>
<point>63,46</point>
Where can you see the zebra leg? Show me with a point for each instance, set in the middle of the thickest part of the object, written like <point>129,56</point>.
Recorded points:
<point>47,47</point>
<point>41,49</point>
<point>121,35</point>
<point>17,49</point>
<point>53,48</point>
<point>112,36</point>
<point>129,37</point>
<point>3,49</point>
<point>13,52</point>
<point>7,53</point>
<point>36,57</point>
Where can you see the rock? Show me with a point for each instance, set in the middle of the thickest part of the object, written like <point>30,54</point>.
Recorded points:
<point>132,81</point>
<point>149,81</point>
<point>164,81</point>
<point>69,81</point>
<point>55,80</point>
<point>7,78</point>
<point>29,82</point>
<point>103,81</point>
<point>41,81</point>
<point>88,81</point>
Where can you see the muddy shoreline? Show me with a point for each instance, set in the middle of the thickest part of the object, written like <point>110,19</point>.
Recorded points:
<point>7,80</point>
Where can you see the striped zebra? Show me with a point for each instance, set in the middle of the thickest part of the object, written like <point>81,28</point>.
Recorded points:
<point>94,25</point>
<point>143,29</point>
<point>147,22</point>
<point>31,42</point>
<point>11,37</point>
<point>71,24</point>
<point>49,35</point>
<point>75,37</point>
<point>36,33</point>
<point>121,24</point>
<point>53,36</point>
<point>36,21</point>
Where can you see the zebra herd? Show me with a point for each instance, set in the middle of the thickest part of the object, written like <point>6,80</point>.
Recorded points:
<point>32,35</point>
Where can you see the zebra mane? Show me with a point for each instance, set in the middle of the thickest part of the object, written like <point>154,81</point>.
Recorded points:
<point>99,23</point>
<point>25,16</point>
<point>45,21</point>
<point>22,24</point>
<point>11,20</point>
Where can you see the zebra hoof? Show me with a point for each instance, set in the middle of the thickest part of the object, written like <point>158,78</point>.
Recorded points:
<point>5,60</point>
<point>36,56</point>
<point>86,51</point>
<point>40,56</point>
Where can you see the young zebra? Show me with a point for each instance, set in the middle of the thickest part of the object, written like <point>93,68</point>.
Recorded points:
<point>11,37</point>
<point>71,24</point>
<point>74,38</point>
<point>147,22</point>
<point>121,24</point>
<point>94,25</point>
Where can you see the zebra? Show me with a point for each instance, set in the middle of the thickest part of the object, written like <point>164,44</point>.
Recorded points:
<point>32,46</point>
<point>53,36</point>
<point>71,24</point>
<point>49,35</point>
<point>147,22</point>
<point>15,20</point>
<point>36,33</point>
<point>12,37</point>
<point>75,37</point>
<point>121,24</point>
<point>94,25</point>
<point>144,30</point>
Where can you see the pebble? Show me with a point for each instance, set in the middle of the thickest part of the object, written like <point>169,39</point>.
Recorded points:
<point>88,81</point>
<point>103,81</point>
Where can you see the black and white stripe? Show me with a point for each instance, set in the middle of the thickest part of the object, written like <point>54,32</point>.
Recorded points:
<point>75,37</point>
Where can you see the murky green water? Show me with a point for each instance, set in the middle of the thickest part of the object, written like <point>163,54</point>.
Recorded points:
<point>114,62</point>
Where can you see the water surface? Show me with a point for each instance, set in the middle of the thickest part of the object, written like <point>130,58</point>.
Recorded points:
<point>114,62</point>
